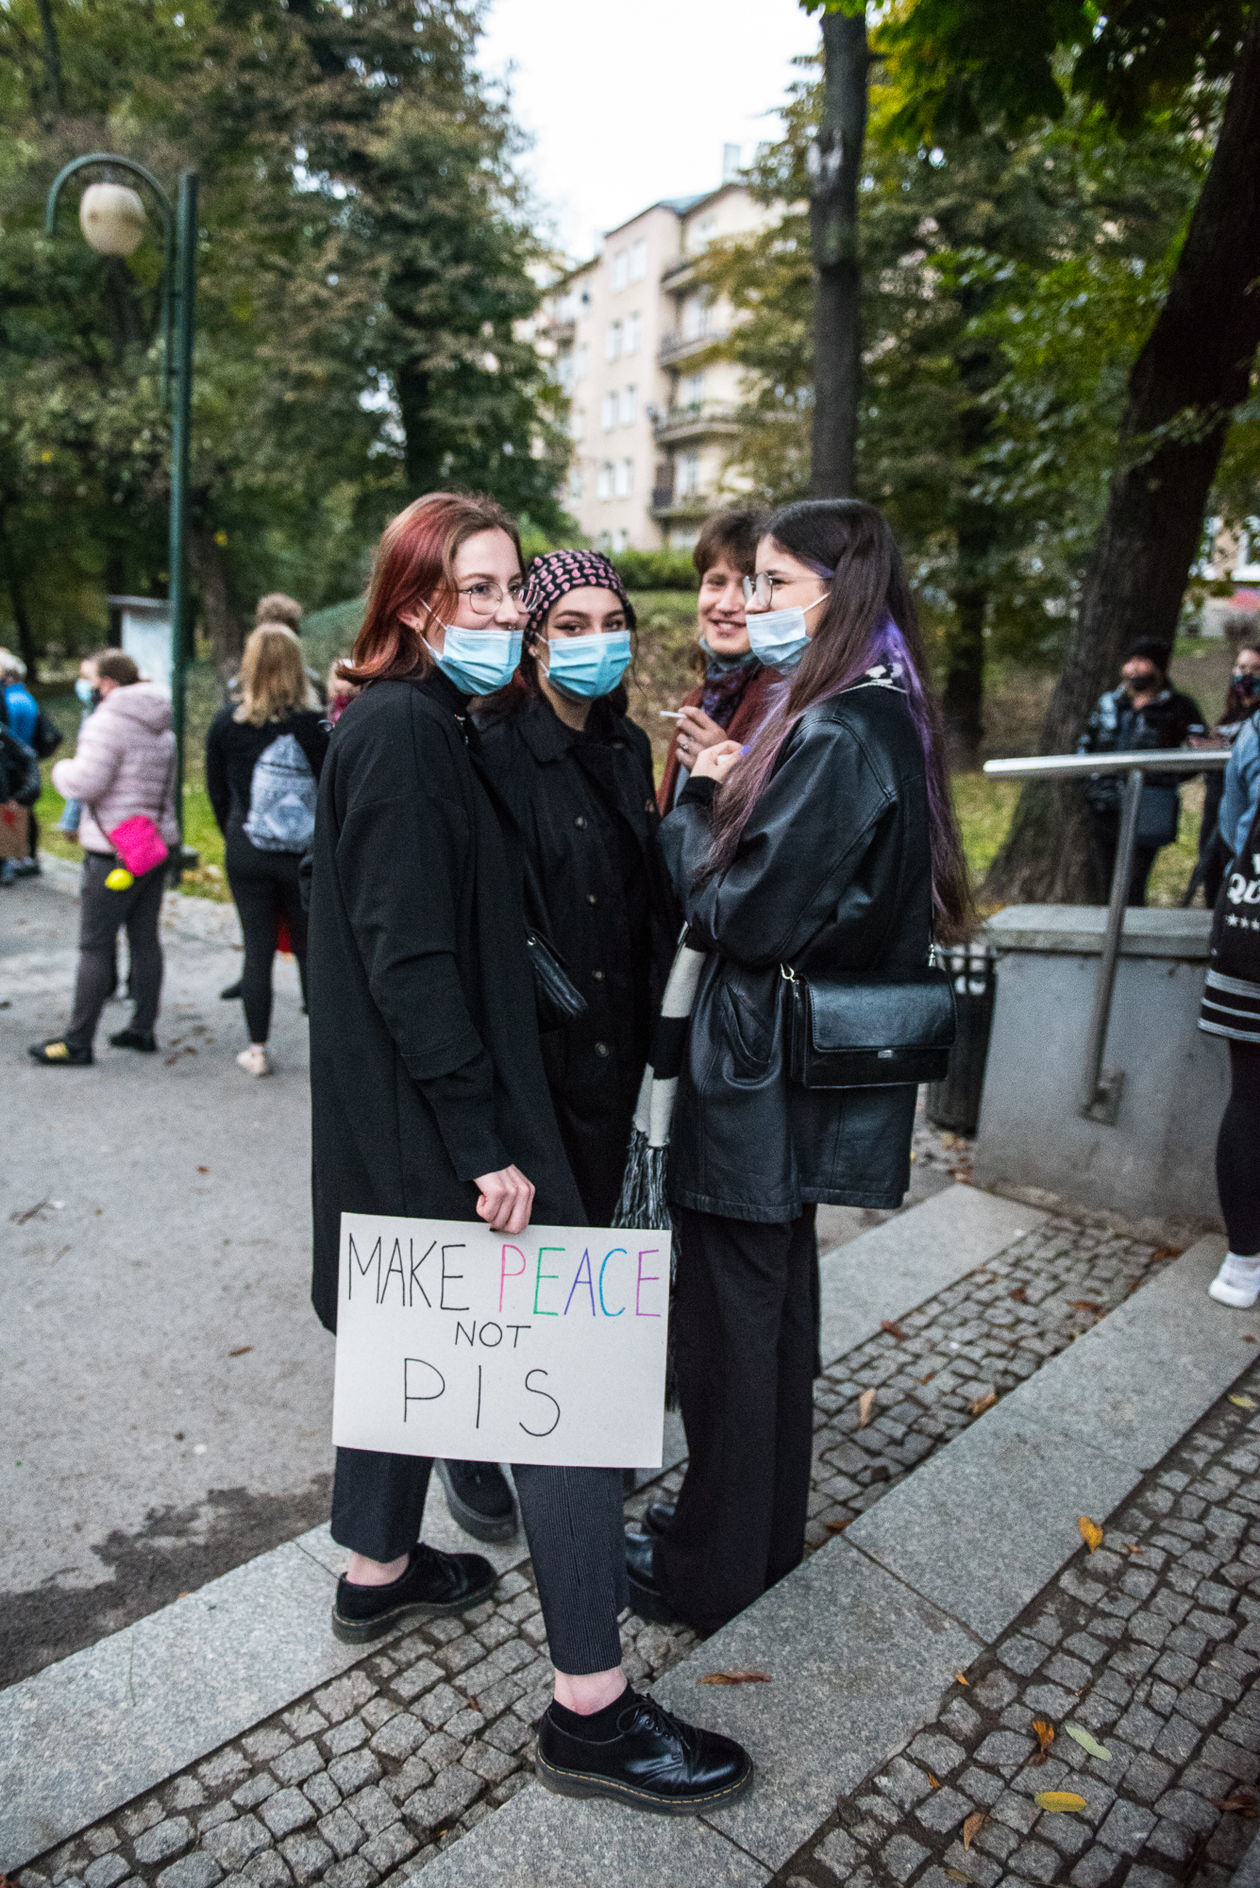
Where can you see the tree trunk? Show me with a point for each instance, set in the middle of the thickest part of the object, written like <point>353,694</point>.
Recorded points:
<point>223,623</point>
<point>17,601</point>
<point>421,464</point>
<point>54,90</point>
<point>962,699</point>
<point>835,161</point>
<point>1193,371</point>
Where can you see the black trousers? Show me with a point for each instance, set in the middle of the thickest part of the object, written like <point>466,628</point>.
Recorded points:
<point>745,1342</point>
<point>101,914</point>
<point>1104,837</point>
<point>1237,1146</point>
<point>573,1523</point>
<point>266,889</point>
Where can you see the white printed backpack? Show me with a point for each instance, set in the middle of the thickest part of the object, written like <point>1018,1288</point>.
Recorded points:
<point>281,798</point>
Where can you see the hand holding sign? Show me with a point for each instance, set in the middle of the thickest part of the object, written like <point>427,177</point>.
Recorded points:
<point>476,1344</point>
<point>506,1200</point>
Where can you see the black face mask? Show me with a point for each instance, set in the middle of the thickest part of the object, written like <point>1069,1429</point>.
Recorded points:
<point>1147,684</point>
<point>1246,683</point>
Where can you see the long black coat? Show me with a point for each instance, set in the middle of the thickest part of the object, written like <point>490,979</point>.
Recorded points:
<point>425,1065</point>
<point>598,890</point>
<point>832,875</point>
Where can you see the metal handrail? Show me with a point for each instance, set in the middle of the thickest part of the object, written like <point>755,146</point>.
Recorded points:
<point>1099,1098</point>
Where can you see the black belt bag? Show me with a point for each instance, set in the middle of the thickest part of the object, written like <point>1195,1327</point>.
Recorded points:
<point>868,1032</point>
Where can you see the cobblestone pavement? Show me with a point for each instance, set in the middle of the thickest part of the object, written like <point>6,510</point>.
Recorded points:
<point>364,1780</point>
<point>1149,1645</point>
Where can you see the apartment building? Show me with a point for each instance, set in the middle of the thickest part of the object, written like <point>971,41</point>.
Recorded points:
<point>626,332</point>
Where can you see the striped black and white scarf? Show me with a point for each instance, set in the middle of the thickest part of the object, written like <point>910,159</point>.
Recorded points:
<point>644,1200</point>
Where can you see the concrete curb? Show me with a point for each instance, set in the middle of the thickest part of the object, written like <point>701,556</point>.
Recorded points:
<point>862,1639</point>
<point>84,1736</point>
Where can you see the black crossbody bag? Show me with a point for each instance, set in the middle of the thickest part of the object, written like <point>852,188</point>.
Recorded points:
<point>868,1032</point>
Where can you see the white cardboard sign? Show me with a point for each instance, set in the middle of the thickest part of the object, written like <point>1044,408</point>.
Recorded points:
<point>458,1342</point>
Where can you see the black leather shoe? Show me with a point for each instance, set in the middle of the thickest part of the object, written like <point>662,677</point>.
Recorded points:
<point>434,1583</point>
<point>479,1498</point>
<point>60,1054</point>
<point>142,1039</point>
<point>645,1595</point>
<point>656,1761</point>
<point>658,1517</point>
<point>232,994</point>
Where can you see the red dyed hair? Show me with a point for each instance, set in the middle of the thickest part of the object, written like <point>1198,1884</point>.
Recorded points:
<point>414,565</point>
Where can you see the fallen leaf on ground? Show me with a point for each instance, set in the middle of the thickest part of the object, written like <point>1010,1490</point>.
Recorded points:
<point>1087,1304</point>
<point>203,1170</point>
<point>1244,1402</point>
<point>928,1378</point>
<point>893,1330</point>
<point>1249,1339</point>
<point>1043,1731</point>
<point>1131,1547</point>
<point>838,1527</point>
<point>736,1678</point>
<point>1089,1742</point>
<point>973,1825</point>
<point>866,1403</point>
<point>1059,1802</point>
<point>1165,1252</point>
<point>984,1402</point>
<point>1020,1294</point>
<point>1242,1803</point>
<point>934,1781</point>
<point>240,1350</point>
<point>1091,1533</point>
<point>956,1874</point>
<point>960,1679</point>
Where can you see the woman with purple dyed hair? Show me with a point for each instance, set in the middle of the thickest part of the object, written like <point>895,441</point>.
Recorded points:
<point>826,847</point>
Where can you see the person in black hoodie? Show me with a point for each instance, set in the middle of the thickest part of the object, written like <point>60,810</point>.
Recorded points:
<point>429,1099</point>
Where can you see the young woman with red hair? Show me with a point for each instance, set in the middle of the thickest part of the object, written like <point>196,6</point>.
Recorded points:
<point>429,1099</point>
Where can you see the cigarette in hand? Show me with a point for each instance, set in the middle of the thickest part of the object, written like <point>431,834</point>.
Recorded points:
<point>670,714</point>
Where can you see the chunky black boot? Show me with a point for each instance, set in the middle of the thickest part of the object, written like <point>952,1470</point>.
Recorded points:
<point>645,1594</point>
<point>658,1517</point>
<point>652,1760</point>
<point>479,1498</point>
<point>434,1583</point>
<point>142,1039</point>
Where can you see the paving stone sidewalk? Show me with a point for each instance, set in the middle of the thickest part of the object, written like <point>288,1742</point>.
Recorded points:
<point>368,1777</point>
<point>1151,1646</point>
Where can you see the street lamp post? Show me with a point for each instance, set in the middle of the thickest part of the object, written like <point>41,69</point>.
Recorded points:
<point>112,218</point>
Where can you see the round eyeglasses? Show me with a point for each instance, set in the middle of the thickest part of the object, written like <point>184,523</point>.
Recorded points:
<point>486,599</point>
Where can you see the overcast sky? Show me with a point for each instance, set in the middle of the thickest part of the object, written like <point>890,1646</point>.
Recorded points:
<point>628,103</point>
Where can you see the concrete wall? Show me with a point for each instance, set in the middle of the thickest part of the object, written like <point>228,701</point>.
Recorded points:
<point>1157,1161</point>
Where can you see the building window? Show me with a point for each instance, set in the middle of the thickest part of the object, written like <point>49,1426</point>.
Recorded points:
<point>638,260</point>
<point>577,423</point>
<point>703,234</point>
<point>628,406</point>
<point>630,335</point>
<point>620,265</point>
<point>604,482</point>
<point>625,477</point>
<point>608,412</point>
<point>688,474</point>
<point>575,482</point>
<point>695,321</point>
<point>621,540</point>
<point>692,390</point>
<point>612,344</point>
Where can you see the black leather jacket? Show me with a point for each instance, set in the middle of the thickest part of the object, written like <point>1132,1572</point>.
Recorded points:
<point>833,874</point>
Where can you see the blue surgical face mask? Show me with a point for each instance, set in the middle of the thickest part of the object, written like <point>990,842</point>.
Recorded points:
<point>86,693</point>
<point>585,667</point>
<point>779,638</point>
<point>479,661</point>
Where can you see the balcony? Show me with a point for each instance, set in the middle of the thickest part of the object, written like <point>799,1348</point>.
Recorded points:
<point>559,329</point>
<point>678,347</point>
<point>678,274</point>
<point>671,506</point>
<point>702,419</point>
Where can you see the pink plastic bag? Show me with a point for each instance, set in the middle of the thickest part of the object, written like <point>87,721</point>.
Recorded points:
<point>139,844</point>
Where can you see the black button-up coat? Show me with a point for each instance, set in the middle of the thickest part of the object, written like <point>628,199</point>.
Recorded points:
<point>832,875</point>
<point>426,1070</point>
<point>597,890</point>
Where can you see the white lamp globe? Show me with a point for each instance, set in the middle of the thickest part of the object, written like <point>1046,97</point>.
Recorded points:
<point>112,218</point>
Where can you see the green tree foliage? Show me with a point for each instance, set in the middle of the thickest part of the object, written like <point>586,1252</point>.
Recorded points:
<point>1007,282</point>
<point>366,274</point>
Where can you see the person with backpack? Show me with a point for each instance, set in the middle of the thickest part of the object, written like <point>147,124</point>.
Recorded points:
<point>28,723</point>
<point>123,771</point>
<point>264,756</point>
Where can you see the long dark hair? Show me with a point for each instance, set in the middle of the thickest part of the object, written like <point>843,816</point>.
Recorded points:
<point>869,617</point>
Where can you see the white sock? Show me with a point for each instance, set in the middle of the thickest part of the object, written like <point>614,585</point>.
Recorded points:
<point>1237,1264</point>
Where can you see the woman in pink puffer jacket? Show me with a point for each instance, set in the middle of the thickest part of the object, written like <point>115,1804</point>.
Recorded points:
<point>124,766</point>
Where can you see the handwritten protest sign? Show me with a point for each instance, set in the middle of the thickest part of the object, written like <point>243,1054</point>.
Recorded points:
<point>458,1342</point>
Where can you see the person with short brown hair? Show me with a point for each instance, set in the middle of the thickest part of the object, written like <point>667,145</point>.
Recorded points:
<point>734,688</point>
<point>276,607</point>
